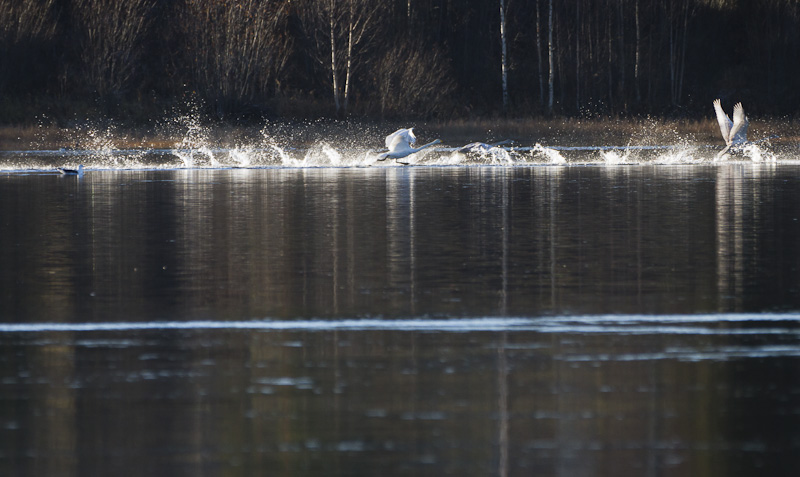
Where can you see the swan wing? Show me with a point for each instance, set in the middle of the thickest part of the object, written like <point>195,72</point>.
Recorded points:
<point>474,147</point>
<point>399,137</point>
<point>724,121</point>
<point>738,133</point>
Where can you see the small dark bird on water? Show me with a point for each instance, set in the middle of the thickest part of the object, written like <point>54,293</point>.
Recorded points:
<point>71,172</point>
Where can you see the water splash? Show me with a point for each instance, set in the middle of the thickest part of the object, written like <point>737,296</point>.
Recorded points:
<point>550,155</point>
<point>679,155</point>
<point>193,146</point>
<point>756,154</point>
<point>243,157</point>
<point>200,145</point>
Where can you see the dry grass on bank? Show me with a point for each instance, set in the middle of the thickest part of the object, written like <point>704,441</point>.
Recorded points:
<point>607,131</point>
<point>556,131</point>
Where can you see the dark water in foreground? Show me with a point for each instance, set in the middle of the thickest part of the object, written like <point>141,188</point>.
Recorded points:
<point>543,320</point>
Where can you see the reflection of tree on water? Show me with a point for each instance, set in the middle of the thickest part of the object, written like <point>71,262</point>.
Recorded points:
<point>737,208</point>
<point>502,406</point>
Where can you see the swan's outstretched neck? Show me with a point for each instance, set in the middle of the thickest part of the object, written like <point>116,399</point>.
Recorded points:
<point>417,149</point>
<point>432,143</point>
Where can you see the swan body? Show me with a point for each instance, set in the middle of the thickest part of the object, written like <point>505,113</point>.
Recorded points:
<point>71,172</point>
<point>733,132</point>
<point>491,151</point>
<point>400,144</point>
<point>481,147</point>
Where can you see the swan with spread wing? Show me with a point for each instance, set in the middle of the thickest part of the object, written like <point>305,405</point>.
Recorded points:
<point>400,144</point>
<point>733,132</point>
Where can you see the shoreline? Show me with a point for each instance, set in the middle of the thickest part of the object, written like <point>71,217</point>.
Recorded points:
<point>555,132</point>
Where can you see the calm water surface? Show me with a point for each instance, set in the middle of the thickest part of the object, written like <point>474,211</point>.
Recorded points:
<point>539,320</point>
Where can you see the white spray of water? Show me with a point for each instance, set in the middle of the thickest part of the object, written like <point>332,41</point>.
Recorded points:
<point>757,155</point>
<point>243,157</point>
<point>190,150</point>
<point>615,156</point>
<point>551,155</point>
<point>496,155</point>
<point>284,158</point>
<point>678,155</point>
<point>208,153</point>
<point>452,159</point>
<point>321,155</point>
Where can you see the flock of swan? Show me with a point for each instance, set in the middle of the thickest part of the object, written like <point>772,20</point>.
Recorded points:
<point>401,143</point>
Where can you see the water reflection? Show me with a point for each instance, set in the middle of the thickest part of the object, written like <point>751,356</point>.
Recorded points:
<point>427,321</point>
<point>399,242</point>
<point>345,402</point>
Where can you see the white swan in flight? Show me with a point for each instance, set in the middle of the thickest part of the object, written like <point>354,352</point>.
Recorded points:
<point>400,145</point>
<point>733,132</point>
<point>71,172</point>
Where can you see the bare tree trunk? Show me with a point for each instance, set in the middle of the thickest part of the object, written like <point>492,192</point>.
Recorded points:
<point>578,55</point>
<point>539,52</point>
<point>621,59</point>
<point>610,65</point>
<point>334,80</point>
<point>504,68</point>
<point>637,57</point>
<point>550,49</point>
<point>349,63</point>
<point>684,42</point>
<point>678,18</point>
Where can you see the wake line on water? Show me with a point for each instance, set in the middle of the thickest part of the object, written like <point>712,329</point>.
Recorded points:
<point>615,324</point>
<point>201,155</point>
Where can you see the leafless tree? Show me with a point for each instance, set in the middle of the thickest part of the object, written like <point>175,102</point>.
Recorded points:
<point>236,50</point>
<point>678,15</point>
<point>413,78</point>
<point>111,39</point>
<point>22,23</point>
<point>341,32</point>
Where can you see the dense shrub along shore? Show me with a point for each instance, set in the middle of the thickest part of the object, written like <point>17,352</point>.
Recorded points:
<point>432,59</point>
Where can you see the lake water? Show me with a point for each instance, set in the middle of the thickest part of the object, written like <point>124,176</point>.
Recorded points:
<point>570,320</point>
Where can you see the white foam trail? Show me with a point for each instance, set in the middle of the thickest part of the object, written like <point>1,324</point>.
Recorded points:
<point>622,324</point>
<point>478,324</point>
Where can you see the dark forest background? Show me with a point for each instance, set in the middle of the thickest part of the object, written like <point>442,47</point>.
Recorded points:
<point>397,58</point>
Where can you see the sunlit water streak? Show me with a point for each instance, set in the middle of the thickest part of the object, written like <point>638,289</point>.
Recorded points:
<point>616,324</point>
<point>195,151</point>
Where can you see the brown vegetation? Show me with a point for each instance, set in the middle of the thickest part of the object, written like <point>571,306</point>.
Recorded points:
<point>524,132</point>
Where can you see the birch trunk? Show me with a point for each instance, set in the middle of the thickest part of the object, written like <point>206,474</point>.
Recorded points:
<point>539,52</point>
<point>578,56</point>
<point>550,48</point>
<point>349,63</point>
<point>334,80</point>
<point>637,57</point>
<point>621,60</point>
<point>504,66</point>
